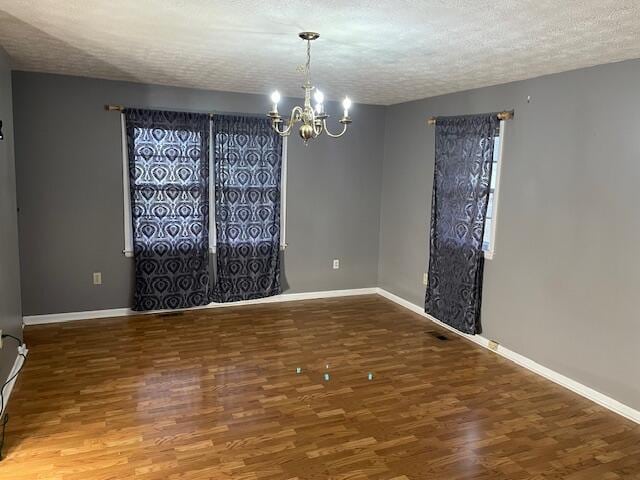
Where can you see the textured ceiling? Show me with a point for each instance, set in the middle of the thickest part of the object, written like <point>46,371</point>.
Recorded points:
<point>380,52</point>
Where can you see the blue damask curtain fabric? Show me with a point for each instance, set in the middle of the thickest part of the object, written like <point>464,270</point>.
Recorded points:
<point>169,182</point>
<point>464,153</point>
<point>247,164</point>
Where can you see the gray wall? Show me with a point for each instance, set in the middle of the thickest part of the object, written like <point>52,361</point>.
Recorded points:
<point>563,285</point>
<point>70,191</point>
<point>10,313</point>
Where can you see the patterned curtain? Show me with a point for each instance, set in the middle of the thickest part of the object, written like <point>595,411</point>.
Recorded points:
<point>169,181</point>
<point>247,162</point>
<point>464,153</point>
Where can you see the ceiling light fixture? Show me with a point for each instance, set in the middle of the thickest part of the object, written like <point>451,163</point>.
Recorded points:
<point>314,121</point>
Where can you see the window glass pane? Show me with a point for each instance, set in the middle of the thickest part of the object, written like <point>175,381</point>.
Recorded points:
<point>486,240</point>
<point>490,207</point>
<point>488,223</point>
<point>494,169</point>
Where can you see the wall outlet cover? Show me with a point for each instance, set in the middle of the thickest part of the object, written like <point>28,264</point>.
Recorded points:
<point>425,278</point>
<point>97,278</point>
<point>493,345</point>
<point>336,263</point>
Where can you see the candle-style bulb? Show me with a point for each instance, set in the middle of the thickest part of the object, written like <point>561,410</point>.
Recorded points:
<point>346,104</point>
<point>275,97</point>
<point>319,96</point>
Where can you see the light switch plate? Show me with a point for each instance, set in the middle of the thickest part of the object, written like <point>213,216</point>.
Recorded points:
<point>97,278</point>
<point>336,263</point>
<point>425,278</point>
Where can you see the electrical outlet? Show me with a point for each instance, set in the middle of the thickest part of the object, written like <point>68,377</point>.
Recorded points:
<point>97,278</point>
<point>493,345</point>
<point>425,278</point>
<point>336,264</point>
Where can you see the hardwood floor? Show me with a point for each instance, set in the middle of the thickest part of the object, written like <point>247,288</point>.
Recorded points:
<point>215,394</point>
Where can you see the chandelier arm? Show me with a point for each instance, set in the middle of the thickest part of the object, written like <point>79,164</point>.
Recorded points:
<point>334,135</point>
<point>296,112</point>
<point>284,132</point>
<point>316,123</point>
<point>295,116</point>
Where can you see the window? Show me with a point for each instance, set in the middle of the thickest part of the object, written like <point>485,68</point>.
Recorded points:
<point>489,240</point>
<point>128,231</point>
<point>212,196</point>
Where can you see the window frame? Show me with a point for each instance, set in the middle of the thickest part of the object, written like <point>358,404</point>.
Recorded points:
<point>126,189</point>
<point>489,252</point>
<point>212,193</point>
<point>283,195</point>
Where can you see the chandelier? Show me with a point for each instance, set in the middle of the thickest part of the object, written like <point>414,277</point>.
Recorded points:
<point>314,121</point>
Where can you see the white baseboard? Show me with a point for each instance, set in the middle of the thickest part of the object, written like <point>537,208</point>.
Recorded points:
<point>17,365</point>
<point>70,316</point>
<point>122,312</point>
<point>577,387</point>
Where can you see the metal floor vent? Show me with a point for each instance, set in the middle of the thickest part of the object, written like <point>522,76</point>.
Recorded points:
<point>171,314</point>
<point>438,335</point>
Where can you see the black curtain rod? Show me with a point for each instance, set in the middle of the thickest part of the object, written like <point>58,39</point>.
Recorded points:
<point>121,108</point>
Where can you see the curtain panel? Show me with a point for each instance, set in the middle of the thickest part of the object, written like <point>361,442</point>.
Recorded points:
<point>169,185</point>
<point>247,158</point>
<point>463,160</point>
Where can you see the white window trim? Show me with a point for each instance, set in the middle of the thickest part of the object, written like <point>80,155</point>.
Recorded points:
<point>489,254</point>
<point>128,229</point>
<point>283,196</point>
<point>212,193</point>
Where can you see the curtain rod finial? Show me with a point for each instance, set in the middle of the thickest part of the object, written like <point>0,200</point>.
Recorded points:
<point>506,115</point>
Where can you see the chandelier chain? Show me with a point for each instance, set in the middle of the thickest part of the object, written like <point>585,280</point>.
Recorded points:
<point>308,66</point>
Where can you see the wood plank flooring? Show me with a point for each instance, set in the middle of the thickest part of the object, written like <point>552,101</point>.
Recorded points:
<point>214,394</point>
